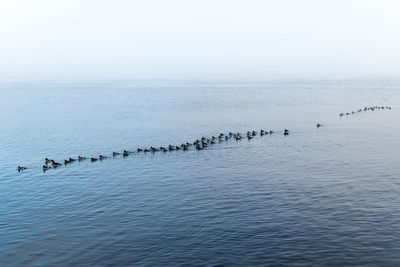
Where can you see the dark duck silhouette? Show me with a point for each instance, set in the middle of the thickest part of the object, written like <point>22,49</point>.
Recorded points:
<point>20,168</point>
<point>286,132</point>
<point>93,159</point>
<point>81,158</point>
<point>101,157</point>
<point>55,164</point>
<point>45,168</point>
<point>115,154</point>
<point>318,125</point>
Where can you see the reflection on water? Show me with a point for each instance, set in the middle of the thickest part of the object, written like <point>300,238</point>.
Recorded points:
<point>320,196</point>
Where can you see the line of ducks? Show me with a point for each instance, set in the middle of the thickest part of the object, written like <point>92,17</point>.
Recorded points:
<point>198,144</point>
<point>364,109</point>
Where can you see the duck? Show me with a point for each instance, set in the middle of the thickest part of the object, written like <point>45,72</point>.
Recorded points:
<point>93,159</point>
<point>185,148</point>
<point>20,168</point>
<point>115,154</point>
<point>45,168</point>
<point>318,125</point>
<point>47,161</point>
<point>177,148</point>
<point>286,132</point>
<point>146,150</point>
<point>125,153</point>
<point>102,157</point>
<point>153,149</point>
<point>66,162</point>
<point>72,160</point>
<point>55,164</point>
<point>81,158</point>
<point>139,150</point>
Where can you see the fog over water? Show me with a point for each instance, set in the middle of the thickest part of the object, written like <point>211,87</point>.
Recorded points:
<point>198,39</point>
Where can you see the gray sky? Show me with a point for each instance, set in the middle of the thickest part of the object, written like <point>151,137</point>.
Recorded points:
<point>199,39</point>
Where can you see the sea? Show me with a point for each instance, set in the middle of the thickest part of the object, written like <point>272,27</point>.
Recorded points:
<point>320,196</point>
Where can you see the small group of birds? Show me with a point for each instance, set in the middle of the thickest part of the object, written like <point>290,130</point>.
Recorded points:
<point>55,164</point>
<point>364,109</point>
<point>198,144</point>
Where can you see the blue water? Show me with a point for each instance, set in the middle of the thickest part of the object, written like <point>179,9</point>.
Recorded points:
<point>326,196</point>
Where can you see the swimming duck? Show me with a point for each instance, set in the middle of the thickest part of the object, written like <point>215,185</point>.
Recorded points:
<point>102,157</point>
<point>20,168</point>
<point>47,161</point>
<point>318,125</point>
<point>66,162</point>
<point>81,158</point>
<point>286,132</point>
<point>55,164</point>
<point>45,168</point>
<point>139,150</point>
<point>125,153</point>
<point>146,150</point>
<point>93,159</point>
<point>115,154</point>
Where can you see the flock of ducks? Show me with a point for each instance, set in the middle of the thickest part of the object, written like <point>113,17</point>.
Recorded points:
<point>198,144</point>
<point>364,109</point>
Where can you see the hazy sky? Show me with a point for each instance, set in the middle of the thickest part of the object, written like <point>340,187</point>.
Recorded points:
<point>199,39</point>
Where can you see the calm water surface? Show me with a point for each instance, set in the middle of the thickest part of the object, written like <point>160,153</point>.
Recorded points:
<point>327,196</point>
